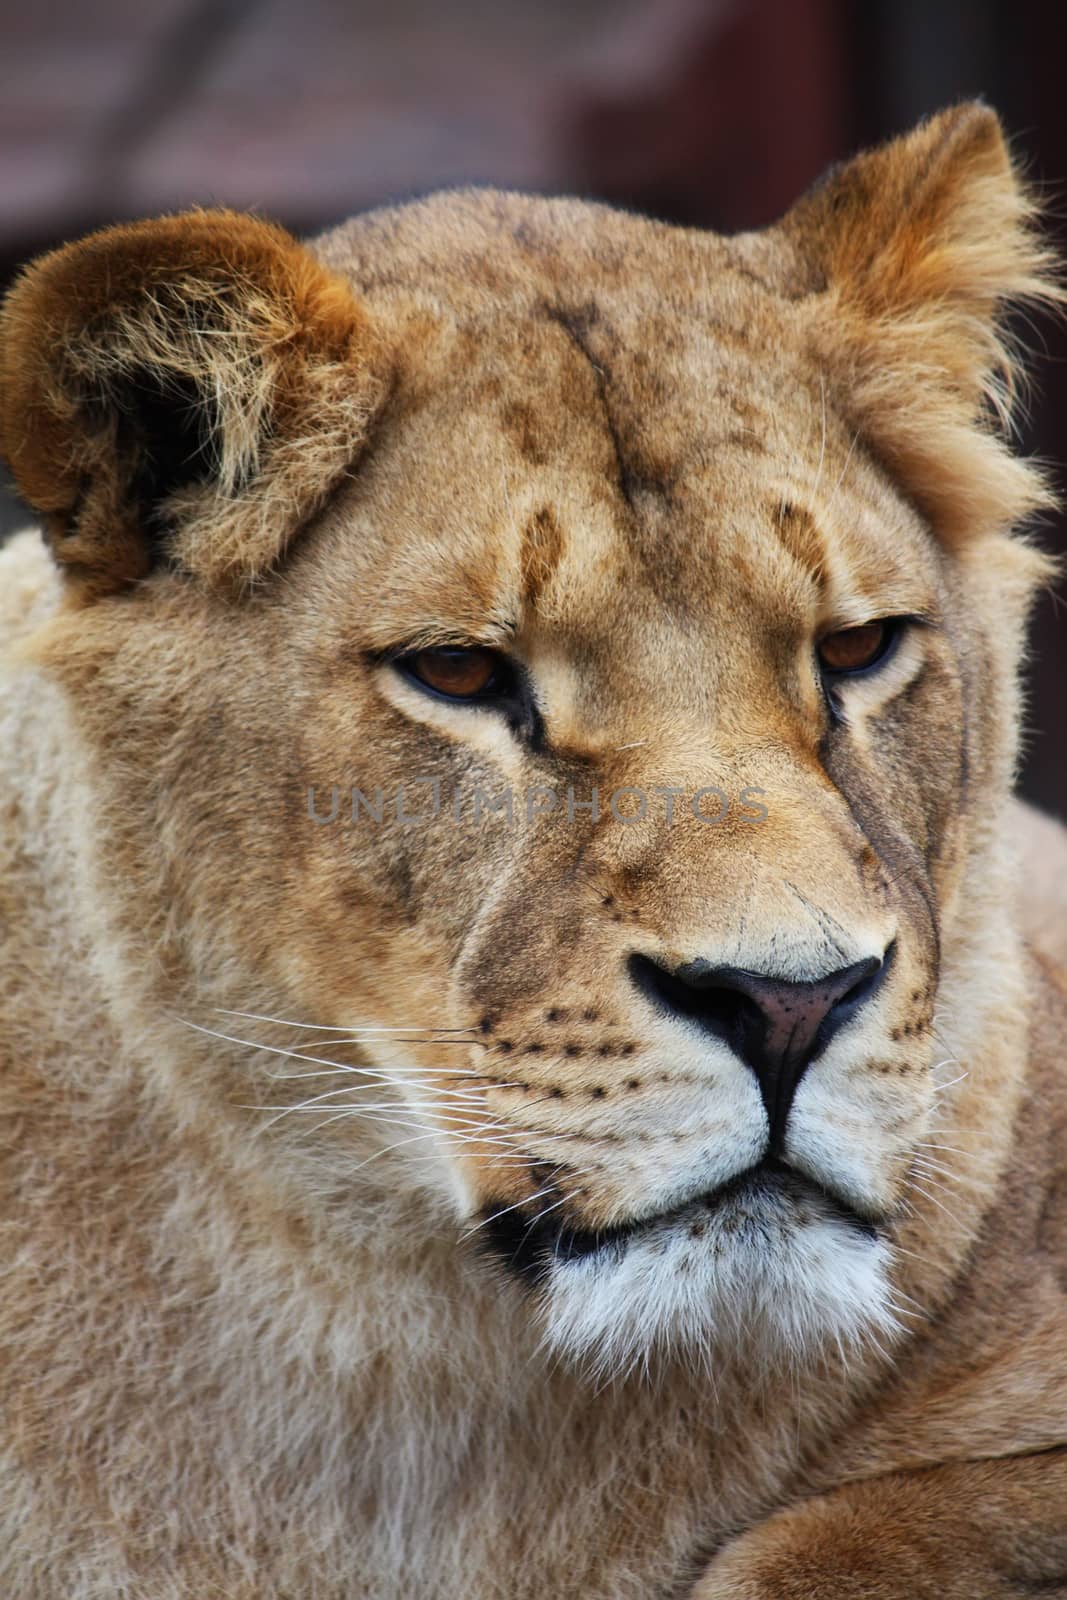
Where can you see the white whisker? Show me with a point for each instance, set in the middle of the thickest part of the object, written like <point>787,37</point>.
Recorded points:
<point>939,1088</point>
<point>503,1212</point>
<point>920,1189</point>
<point>322,1061</point>
<point>381,1080</point>
<point>318,1027</point>
<point>430,1133</point>
<point>355,1040</point>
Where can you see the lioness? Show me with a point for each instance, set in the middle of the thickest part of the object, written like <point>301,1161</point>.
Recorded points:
<point>531,1065</point>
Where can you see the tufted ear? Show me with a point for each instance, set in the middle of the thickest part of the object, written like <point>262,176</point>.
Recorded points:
<point>184,391</point>
<point>917,252</point>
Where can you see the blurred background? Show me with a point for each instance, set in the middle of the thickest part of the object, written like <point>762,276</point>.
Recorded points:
<point>710,112</point>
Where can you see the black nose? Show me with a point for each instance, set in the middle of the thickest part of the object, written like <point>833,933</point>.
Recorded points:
<point>777,1028</point>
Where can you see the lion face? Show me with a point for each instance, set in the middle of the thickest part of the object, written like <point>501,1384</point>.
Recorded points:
<point>692,1055</point>
<point>600,768</point>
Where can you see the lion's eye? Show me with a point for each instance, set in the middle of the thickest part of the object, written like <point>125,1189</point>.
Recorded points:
<point>856,649</point>
<point>458,673</point>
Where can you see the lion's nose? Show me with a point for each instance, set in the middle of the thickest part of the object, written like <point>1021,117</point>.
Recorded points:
<point>777,1028</point>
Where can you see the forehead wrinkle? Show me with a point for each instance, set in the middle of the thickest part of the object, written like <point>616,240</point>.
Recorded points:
<point>541,551</point>
<point>799,535</point>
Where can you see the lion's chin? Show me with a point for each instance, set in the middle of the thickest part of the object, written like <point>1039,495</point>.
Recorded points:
<point>774,1270</point>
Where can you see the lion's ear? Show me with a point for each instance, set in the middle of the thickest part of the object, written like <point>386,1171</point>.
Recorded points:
<point>917,252</point>
<point>186,390</point>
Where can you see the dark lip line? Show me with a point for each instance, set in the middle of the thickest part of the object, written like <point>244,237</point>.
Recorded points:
<point>578,1242</point>
<point>529,1249</point>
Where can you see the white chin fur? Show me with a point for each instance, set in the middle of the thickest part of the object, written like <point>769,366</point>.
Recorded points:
<point>757,1280</point>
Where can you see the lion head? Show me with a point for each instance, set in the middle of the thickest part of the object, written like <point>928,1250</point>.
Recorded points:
<point>546,684</point>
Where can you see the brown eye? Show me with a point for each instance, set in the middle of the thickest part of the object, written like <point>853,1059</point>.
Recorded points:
<point>854,649</point>
<point>459,674</point>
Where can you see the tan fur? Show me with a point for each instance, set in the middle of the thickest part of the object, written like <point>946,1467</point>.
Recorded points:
<point>266,1078</point>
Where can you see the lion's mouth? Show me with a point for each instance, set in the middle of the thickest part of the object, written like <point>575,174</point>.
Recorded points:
<point>767,1195</point>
